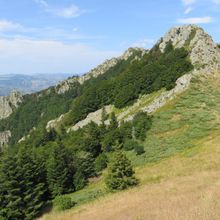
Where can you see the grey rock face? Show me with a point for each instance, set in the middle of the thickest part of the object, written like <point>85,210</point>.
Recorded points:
<point>91,117</point>
<point>204,52</point>
<point>53,123</point>
<point>64,86</point>
<point>9,103</point>
<point>4,139</point>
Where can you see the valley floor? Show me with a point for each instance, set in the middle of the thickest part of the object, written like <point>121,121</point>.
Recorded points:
<point>185,187</point>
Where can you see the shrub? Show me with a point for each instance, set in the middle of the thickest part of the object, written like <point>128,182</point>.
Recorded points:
<point>64,202</point>
<point>142,123</point>
<point>100,162</point>
<point>139,149</point>
<point>129,145</point>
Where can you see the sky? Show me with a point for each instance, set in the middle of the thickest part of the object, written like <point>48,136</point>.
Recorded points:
<point>73,36</point>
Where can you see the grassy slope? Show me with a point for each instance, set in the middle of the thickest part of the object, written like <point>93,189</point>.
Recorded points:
<point>179,172</point>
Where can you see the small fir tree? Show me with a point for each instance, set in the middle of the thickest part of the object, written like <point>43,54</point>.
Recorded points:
<point>120,173</point>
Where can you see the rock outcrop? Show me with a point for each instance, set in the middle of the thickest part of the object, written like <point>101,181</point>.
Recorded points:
<point>4,139</point>
<point>65,85</point>
<point>54,123</point>
<point>9,103</point>
<point>92,117</point>
<point>204,52</point>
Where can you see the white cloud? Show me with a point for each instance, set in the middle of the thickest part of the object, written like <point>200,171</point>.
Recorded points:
<point>195,20</point>
<point>69,12</point>
<point>6,25</point>
<point>188,2</point>
<point>146,43</point>
<point>188,10</point>
<point>72,11</point>
<point>40,56</point>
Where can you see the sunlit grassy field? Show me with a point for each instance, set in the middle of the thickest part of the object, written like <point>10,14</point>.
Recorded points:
<point>179,172</point>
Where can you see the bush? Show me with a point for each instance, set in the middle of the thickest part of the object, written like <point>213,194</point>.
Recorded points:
<point>100,162</point>
<point>139,149</point>
<point>129,145</point>
<point>142,123</point>
<point>79,180</point>
<point>64,202</point>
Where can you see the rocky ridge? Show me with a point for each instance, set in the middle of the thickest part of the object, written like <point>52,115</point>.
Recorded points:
<point>204,55</point>
<point>65,85</point>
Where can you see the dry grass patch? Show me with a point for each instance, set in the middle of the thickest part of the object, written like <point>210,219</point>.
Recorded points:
<point>184,187</point>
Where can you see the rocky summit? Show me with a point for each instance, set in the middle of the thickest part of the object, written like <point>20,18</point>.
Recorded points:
<point>204,52</point>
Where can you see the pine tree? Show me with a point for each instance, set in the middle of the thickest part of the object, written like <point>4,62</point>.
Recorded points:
<point>120,173</point>
<point>60,171</point>
<point>92,140</point>
<point>33,182</point>
<point>10,191</point>
<point>113,122</point>
<point>23,190</point>
<point>79,180</point>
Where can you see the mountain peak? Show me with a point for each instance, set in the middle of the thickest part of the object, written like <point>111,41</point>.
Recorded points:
<point>204,52</point>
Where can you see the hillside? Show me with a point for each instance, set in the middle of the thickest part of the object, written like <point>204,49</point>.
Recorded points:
<point>154,111</point>
<point>179,170</point>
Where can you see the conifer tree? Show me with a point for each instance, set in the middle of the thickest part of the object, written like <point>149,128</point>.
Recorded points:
<point>23,190</point>
<point>33,183</point>
<point>113,122</point>
<point>120,173</point>
<point>10,191</point>
<point>60,171</point>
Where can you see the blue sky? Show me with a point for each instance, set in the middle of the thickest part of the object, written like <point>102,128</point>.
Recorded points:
<point>53,36</point>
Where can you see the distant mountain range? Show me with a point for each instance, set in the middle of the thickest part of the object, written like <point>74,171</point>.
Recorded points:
<point>28,83</point>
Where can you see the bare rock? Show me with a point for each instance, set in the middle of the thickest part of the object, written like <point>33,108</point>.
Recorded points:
<point>4,139</point>
<point>9,103</point>
<point>91,117</point>
<point>204,52</point>
<point>53,123</point>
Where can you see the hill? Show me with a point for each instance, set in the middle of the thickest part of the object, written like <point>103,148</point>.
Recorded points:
<point>179,171</point>
<point>158,108</point>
